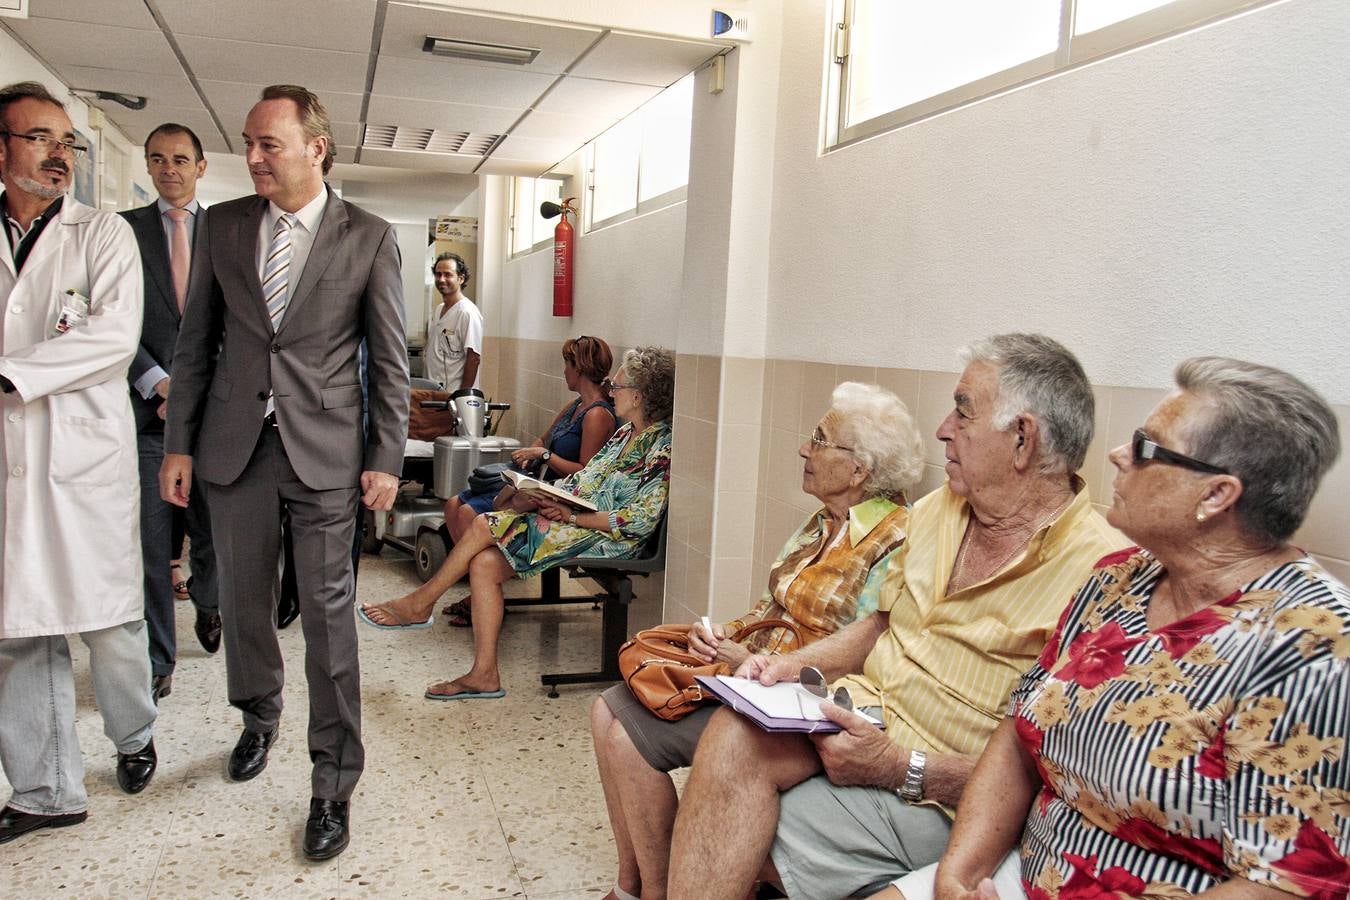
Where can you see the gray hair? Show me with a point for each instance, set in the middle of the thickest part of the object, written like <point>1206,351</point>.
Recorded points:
<point>1037,375</point>
<point>1270,430</point>
<point>652,371</point>
<point>881,432</point>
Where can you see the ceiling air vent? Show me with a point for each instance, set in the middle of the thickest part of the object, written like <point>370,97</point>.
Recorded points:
<point>479,51</point>
<point>429,140</point>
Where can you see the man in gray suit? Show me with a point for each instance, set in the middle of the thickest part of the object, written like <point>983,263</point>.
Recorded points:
<point>291,281</point>
<point>166,232</point>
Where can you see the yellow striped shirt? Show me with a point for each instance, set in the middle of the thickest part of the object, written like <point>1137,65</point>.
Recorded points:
<point>945,666</point>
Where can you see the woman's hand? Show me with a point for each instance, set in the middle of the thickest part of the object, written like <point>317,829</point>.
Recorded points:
<point>517,501</point>
<point>951,889</point>
<point>704,642</point>
<point>732,653</point>
<point>526,455</point>
<point>552,511</point>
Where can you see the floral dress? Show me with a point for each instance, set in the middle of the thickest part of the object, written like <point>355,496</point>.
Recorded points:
<point>630,483</point>
<point>1210,749</point>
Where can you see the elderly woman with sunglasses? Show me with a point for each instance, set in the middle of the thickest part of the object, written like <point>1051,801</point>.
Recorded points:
<point>1185,730</point>
<point>577,433</point>
<point>859,463</point>
<point>627,480</point>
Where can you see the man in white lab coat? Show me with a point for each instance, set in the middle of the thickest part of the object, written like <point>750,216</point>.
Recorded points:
<point>70,561</point>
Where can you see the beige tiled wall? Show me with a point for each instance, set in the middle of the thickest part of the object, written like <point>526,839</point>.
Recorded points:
<point>736,473</point>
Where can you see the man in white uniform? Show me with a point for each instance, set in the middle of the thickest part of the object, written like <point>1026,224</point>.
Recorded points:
<point>455,336</point>
<point>70,560</point>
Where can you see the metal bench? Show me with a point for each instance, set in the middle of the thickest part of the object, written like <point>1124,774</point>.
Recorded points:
<point>615,577</point>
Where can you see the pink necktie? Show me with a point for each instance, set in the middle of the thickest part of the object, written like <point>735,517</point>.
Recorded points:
<point>179,254</point>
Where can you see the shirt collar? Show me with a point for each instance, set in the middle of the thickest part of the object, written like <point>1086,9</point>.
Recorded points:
<point>50,212</point>
<point>165,206</point>
<point>307,216</point>
<point>865,516</point>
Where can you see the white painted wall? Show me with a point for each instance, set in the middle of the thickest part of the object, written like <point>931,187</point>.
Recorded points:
<point>628,283</point>
<point>1188,197</point>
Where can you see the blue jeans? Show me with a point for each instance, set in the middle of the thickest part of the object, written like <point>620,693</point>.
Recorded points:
<point>38,746</point>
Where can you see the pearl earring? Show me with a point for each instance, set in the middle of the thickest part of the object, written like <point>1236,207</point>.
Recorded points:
<point>1199,517</point>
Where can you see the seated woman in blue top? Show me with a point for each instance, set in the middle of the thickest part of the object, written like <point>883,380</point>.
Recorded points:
<point>579,430</point>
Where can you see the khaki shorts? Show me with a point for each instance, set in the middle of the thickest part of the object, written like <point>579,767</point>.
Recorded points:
<point>665,746</point>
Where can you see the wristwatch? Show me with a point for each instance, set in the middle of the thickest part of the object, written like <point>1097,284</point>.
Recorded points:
<point>912,790</point>
<point>572,519</point>
<point>546,456</point>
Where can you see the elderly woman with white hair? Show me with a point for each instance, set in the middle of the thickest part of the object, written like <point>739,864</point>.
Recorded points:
<point>860,462</point>
<point>1185,730</point>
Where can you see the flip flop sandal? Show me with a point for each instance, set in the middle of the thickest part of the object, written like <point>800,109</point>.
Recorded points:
<point>180,585</point>
<point>399,622</point>
<point>465,695</point>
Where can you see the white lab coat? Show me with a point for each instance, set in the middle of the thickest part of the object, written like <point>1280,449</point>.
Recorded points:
<point>71,558</point>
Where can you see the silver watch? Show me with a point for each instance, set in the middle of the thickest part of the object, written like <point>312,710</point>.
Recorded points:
<point>912,790</point>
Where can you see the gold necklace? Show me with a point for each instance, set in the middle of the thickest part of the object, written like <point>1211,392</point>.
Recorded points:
<point>958,569</point>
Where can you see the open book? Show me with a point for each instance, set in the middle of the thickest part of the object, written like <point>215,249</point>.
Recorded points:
<point>785,706</point>
<point>542,490</point>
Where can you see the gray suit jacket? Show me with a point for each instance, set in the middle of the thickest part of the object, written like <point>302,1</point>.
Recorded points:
<point>350,290</point>
<point>162,318</point>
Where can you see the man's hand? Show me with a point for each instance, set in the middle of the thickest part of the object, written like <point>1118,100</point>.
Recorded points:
<point>769,670</point>
<point>163,410</point>
<point>162,387</point>
<point>860,754</point>
<point>378,489</point>
<point>175,479</point>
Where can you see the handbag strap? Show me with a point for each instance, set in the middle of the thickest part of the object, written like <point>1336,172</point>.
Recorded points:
<point>769,623</point>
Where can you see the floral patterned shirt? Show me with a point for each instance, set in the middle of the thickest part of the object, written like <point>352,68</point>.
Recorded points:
<point>1210,749</point>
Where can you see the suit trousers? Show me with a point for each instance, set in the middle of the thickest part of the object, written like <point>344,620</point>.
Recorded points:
<point>39,748</point>
<point>246,527</point>
<point>157,551</point>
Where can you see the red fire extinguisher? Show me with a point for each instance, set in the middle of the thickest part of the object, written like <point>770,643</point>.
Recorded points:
<point>562,255</point>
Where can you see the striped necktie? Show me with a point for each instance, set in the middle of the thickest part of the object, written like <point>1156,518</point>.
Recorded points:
<point>276,271</point>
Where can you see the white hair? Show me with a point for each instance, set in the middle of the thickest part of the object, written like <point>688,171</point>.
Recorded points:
<point>878,428</point>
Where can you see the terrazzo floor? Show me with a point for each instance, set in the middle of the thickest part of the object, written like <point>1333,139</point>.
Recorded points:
<point>472,799</point>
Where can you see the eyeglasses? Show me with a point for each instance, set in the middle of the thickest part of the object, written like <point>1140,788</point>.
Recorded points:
<point>613,386</point>
<point>813,682</point>
<point>818,440</point>
<point>45,143</point>
<point>1143,449</point>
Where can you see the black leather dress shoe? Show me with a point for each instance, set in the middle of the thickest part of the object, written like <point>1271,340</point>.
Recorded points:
<point>14,823</point>
<point>326,831</point>
<point>207,627</point>
<point>288,610</point>
<point>249,756</point>
<point>160,686</point>
<point>134,770</point>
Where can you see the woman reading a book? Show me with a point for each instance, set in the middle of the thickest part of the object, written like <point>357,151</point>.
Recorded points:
<point>859,462</point>
<point>578,432</point>
<point>627,482</point>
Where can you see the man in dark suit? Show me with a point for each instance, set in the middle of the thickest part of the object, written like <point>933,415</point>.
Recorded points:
<point>165,232</point>
<point>291,281</point>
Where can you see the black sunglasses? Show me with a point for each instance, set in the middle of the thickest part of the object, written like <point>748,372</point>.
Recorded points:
<point>1144,448</point>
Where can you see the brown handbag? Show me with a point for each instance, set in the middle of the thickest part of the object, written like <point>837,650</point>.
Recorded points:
<point>659,669</point>
<point>428,424</point>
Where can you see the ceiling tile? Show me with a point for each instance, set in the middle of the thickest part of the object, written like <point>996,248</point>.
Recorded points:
<point>345,155</point>
<point>556,126</point>
<point>127,49</point>
<point>319,70</point>
<point>347,134</point>
<point>512,167</point>
<point>158,89</point>
<point>640,59</point>
<point>438,78</point>
<point>232,101</point>
<point>445,116</point>
<point>405,28</point>
<point>136,124</point>
<point>591,96</point>
<point>548,152</point>
<point>431,162</point>
<point>123,13</point>
<point>319,24</point>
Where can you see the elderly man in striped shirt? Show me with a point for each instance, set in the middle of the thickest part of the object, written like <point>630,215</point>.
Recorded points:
<point>994,555</point>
